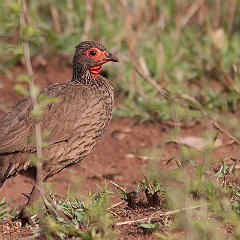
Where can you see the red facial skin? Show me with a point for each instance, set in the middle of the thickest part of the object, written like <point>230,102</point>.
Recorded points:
<point>99,56</point>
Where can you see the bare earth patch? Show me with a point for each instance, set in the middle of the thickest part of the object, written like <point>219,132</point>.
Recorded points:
<point>118,157</point>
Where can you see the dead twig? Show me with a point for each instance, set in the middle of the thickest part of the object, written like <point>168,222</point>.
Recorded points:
<point>117,186</point>
<point>221,129</point>
<point>115,205</point>
<point>234,165</point>
<point>162,91</point>
<point>159,214</point>
<point>143,73</point>
<point>192,10</point>
<point>229,171</point>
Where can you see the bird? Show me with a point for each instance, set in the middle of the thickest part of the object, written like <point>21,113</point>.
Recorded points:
<point>74,123</point>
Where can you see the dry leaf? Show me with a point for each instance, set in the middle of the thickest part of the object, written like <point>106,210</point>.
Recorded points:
<point>200,143</point>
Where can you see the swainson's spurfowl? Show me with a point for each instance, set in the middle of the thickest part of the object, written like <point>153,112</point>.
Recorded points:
<point>74,124</point>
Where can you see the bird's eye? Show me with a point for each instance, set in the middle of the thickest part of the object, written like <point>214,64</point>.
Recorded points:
<point>93,53</point>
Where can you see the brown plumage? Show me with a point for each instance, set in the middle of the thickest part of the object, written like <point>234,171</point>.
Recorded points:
<point>74,124</point>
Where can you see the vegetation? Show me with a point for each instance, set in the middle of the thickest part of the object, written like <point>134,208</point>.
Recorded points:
<point>179,65</point>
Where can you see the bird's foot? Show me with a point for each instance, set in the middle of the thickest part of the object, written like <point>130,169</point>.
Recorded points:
<point>25,217</point>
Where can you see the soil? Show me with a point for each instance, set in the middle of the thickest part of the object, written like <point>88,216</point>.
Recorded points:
<point>118,157</point>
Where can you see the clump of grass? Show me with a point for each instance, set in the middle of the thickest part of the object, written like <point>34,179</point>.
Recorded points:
<point>191,189</point>
<point>235,198</point>
<point>74,218</point>
<point>4,211</point>
<point>154,192</point>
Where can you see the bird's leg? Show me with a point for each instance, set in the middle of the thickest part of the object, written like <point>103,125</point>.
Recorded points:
<point>25,214</point>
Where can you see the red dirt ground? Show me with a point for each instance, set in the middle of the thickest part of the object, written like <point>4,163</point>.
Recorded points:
<point>115,158</point>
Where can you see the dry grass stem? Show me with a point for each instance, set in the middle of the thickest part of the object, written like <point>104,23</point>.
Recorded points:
<point>117,186</point>
<point>156,216</point>
<point>56,18</point>
<point>116,205</point>
<point>192,10</point>
<point>221,129</point>
<point>88,19</point>
<point>231,15</point>
<point>234,165</point>
<point>69,16</point>
<point>36,107</point>
<point>163,92</point>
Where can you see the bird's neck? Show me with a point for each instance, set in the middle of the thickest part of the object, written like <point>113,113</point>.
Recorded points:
<point>83,75</point>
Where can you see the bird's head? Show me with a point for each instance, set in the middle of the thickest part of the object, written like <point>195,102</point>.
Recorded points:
<point>90,55</point>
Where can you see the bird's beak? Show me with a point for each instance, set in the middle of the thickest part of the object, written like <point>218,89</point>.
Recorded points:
<point>110,57</point>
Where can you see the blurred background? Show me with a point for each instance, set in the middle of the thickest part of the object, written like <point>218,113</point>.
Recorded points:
<point>177,95</point>
<point>187,47</point>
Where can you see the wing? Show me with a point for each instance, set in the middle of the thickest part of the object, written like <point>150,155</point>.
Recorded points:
<point>16,127</point>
